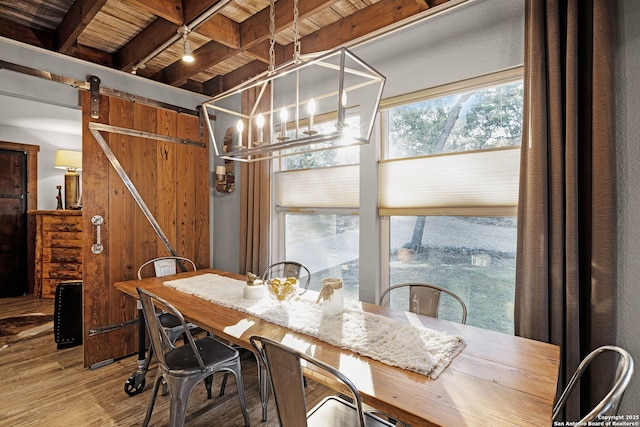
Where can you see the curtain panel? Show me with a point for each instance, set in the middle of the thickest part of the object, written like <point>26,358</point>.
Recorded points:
<point>566,256</point>
<point>255,203</point>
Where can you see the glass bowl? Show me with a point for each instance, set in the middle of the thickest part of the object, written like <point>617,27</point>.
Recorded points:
<point>281,290</point>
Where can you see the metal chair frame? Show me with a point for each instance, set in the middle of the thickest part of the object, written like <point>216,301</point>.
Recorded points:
<point>434,308</point>
<point>611,401</point>
<point>184,366</point>
<point>283,365</point>
<point>136,382</point>
<point>289,269</point>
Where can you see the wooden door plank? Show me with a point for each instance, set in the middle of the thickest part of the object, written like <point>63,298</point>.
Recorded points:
<point>166,176</point>
<point>185,184</point>
<point>95,200</point>
<point>144,177</point>
<point>121,232</point>
<point>202,195</point>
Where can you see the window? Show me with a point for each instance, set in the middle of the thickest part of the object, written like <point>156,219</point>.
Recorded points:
<point>445,210</point>
<point>316,199</point>
<point>327,243</point>
<point>449,186</point>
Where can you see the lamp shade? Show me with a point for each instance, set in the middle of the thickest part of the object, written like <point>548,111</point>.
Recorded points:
<point>67,159</point>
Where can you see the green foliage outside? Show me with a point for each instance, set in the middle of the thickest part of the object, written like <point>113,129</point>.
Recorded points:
<point>488,118</point>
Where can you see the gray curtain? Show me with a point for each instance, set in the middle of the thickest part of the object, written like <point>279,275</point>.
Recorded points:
<point>566,257</point>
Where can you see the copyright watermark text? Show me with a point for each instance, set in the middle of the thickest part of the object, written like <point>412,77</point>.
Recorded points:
<point>604,421</point>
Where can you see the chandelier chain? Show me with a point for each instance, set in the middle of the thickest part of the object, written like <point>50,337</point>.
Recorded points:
<point>272,38</point>
<point>296,35</point>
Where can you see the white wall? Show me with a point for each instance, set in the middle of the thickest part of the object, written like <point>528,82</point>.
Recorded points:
<point>51,125</point>
<point>628,131</point>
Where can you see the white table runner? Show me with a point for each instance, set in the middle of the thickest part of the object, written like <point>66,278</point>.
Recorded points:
<point>394,343</point>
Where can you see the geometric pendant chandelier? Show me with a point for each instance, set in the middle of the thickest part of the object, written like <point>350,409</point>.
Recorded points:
<point>312,103</point>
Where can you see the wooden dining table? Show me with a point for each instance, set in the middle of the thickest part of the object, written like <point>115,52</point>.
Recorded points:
<point>497,379</point>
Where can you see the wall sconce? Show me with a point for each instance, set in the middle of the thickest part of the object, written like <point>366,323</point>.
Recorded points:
<point>225,178</point>
<point>72,162</point>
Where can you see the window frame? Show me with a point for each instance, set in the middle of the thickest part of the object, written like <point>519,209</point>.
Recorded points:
<point>374,244</point>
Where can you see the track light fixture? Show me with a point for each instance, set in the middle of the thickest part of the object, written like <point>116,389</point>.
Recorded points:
<point>187,55</point>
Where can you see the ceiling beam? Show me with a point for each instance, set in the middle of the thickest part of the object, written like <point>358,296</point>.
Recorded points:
<point>92,55</point>
<point>206,55</point>
<point>370,19</point>
<point>24,34</point>
<point>253,31</point>
<point>194,8</point>
<point>221,29</point>
<point>355,26</point>
<point>75,21</point>
<point>261,51</point>
<point>256,28</point>
<point>144,43</point>
<point>171,10</point>
<point>219,84</point>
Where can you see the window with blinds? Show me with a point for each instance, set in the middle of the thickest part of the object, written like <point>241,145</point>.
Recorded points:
<point>448,184</point>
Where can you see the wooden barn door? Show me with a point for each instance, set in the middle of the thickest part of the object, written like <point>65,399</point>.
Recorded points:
<point>172,180</point>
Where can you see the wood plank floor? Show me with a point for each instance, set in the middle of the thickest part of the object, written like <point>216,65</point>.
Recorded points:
<point>43,386</point>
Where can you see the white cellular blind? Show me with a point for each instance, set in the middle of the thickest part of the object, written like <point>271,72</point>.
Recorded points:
<point>333,187</point>
<point>467,183</point>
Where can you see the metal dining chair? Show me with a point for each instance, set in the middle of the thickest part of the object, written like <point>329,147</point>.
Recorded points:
<point>285,269</point>
<point>611,401</point>
<point>167,266</point>
<point>286,378</point>
<point>184,366</point>
<point>424,299</point>
<point>161,266</point>
<point>280,269</point>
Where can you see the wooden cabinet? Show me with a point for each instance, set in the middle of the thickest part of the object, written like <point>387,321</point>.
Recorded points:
<point>57,250</point>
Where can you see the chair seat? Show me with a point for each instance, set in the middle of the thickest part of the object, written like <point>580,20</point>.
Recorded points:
<point>181,368</point>
<point>333,411</point>
<point>169,321</point>
<point>211,350</point>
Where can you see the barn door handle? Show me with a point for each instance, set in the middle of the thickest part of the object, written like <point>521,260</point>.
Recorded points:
<point>97,247</point>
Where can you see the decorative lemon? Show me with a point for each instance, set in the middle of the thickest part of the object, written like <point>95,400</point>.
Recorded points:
<point>281,289</point>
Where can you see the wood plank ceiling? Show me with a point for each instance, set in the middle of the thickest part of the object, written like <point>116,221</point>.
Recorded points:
<point>230,38</point>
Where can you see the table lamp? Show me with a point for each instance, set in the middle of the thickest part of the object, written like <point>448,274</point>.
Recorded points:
<point>72,162</point>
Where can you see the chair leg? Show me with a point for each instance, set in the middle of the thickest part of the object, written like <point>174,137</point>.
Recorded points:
<point>152,402</point>
<point>179,391</point>
<point>236,371</point>
<point>263,383</point>
<point>208,382</point>
<point>223,384</point>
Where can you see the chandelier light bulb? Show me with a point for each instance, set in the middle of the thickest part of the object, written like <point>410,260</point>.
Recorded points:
<point>260,124</point>
<point>284,115</point>
<point>240,128</point>
<point>260,121</point>
<point>311,109</point>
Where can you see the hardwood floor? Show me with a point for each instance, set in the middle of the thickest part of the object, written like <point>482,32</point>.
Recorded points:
<point>44,386</point>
